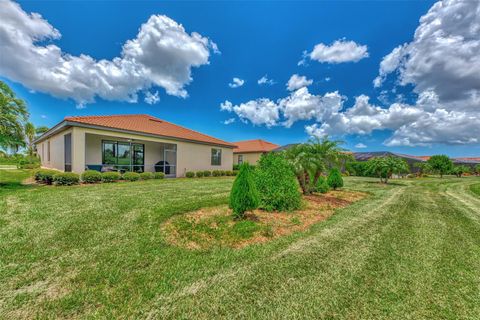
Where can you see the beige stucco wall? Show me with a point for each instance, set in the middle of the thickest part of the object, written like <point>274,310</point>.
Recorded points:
<point>57,153</point>
<point>86,149</point>
<point>251,157</point>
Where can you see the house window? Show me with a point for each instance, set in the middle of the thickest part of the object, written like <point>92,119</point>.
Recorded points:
<point>123,156</point>
<point>216,157</point>
<point>48,151</point>
<point>240,158</point>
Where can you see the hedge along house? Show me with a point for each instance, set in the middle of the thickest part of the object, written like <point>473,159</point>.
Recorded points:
<point>251,150</point>
<point>130,143</point>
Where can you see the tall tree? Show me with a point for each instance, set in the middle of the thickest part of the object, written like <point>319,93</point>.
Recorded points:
<point>30,137</point>
<point>40,130</point>
<point>385,167</point>
<point>310,160</point>
<point>13,115</point>
<point>440,164</point>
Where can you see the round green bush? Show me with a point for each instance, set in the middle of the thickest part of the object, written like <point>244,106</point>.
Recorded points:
<point>244,195</point>
<point>207,173</point>
<point>276,183</point>
<point>159,175</point>
<point>199,174</point>
<point>229,173</point>
<point>91,176</point>
<point>190,174</point>
<point>216,173</point>
<point>66,179</point>
<point>131,176</point>
<point>234,172</point>
<point>112,176</point>
<point>146,175</point>
<point>335,179</point>
<point>223,173</point>
<point>45,175</point>
<point>322,185</point>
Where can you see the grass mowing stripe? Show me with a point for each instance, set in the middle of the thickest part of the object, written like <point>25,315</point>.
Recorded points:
<point>227,286</point>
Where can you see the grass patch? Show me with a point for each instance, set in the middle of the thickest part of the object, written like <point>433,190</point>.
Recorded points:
<point>475,188</point>
<point>216,227</point>
<point>409,251</point>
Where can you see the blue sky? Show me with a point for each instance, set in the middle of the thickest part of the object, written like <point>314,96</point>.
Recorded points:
<point>255,39</point>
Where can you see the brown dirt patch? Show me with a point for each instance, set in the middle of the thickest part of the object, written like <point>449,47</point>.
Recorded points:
<point>210,227</point>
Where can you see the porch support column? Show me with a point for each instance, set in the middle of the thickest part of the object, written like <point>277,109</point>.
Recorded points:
<point>78,150</point>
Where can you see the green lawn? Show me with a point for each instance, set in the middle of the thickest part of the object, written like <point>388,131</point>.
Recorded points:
<point>409,251</point>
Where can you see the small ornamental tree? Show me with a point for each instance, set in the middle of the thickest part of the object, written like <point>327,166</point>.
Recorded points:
<point>335,179</point>
<point>460,170</point>
<point>244,195</point>
<point>385,167</point>
<point>276,184</point>
<point>440,164</point>
<point>477,169</point>
<point>322,185</point>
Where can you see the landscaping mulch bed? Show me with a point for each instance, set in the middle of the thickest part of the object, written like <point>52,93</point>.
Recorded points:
<point>215,227</point>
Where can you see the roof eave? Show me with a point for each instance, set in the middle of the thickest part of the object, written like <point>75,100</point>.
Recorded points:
<point>69,123</point>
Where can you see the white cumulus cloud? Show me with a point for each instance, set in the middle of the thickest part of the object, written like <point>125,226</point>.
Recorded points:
<point>360,146</point>
<point>229,121</point>
<point>265,81</point>
<point>236,83</point>
<point>162,54</point>
<point>338,52</point>
<point>152,98</point>
<point>296,82</point>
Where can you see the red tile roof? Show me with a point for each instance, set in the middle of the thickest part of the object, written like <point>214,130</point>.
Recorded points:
<point>257,145</point>
<point>469,159</point>
<point>143,123</point>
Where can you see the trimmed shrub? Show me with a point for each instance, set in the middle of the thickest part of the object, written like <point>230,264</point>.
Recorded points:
<point>199,174</point>
<point>45,175</point>
<point>207,173</point>
<point>91,176</point>
<point>112,176</point>
<point>223,173</point>
<point>159,175</point>
<point>322,185</point>
<point>66,179</point>
<point>216,173</point>
<point>28,163</point>
<point>335,179</point>
<point>276,184</point>
<point>244,195</point>
<point>229,173</point>
<point>131,176</point>
<point>146,175</point>
<point>234,172</point>
<point>190,174</point>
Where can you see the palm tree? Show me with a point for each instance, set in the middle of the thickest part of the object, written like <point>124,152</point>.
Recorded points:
<point>310,160</point>
<point>30,137</point>
<point>13,114</point>
<point>327,154</point>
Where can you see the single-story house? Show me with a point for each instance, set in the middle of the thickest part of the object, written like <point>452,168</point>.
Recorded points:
<point>251,150</point>
<point>131,143</point>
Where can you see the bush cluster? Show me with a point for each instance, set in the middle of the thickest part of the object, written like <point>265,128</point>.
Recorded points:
<point>66,179</point>
<point>208,173</point>
<point>28,162</point>
<point>276,184</point>
<point>112,176</point>
<point>91,176</point>
<point>159,175</point>
<point>45,176</point>
<point>146,175</point>
<point>131,176</point>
